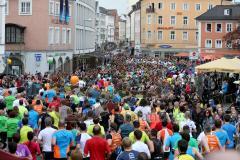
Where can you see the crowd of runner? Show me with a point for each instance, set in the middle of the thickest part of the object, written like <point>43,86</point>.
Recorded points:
<point>130,109</point>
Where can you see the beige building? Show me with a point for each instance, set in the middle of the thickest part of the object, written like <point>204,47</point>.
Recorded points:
<point>169,26</point>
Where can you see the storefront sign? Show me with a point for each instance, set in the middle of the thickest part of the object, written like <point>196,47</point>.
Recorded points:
<point>165,28</point>
<point>38,57</point>
<point>194,55</point>
<point>165,46</point>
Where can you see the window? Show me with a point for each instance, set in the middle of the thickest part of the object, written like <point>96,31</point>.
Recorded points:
<point>160,5</point>
<point>172,6</point>
<point>173,20</point>
<point>172,35</point>
<point>185,20</point>
<point>218,27</point>
<point>198,7</point>
<point>160,35</point>
<point>227,12</point>
<point>208,43</point>
<point>68,39</point>
<point>209,27</point>
<point>25,7</point>
<point>149,34</point>
<point>6,7</point>
<point>229,27</point>
<point>197,36</point>
<point>210,6</point>
<point>57,35</point>
<point>51,35</point>
<point>64,35</point>
<point>160,20</point>
<point>196,23</point>
<point>57,8</point>
<point>51,8</point>
<point>149,19</point>
<point>218,43</point>
<point>14,34</point>
<point>185,36</point>
<point>185,6</point>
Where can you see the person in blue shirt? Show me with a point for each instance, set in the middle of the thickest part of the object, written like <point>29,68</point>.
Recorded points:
<point>33,118</point>
<point>91,100</point>
<point>221,134</point>
<point>62,141</point>
<point>230,129</point>
<point>173,140</point>
<point>50,94</point>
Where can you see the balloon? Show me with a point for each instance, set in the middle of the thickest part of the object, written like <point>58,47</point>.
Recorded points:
<point>74,80</point>
<point>9,61</point>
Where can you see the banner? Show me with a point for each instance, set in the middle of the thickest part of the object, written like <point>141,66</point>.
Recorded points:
<point>61,18</point>
<point>67,11</point>
<point>64,11</point>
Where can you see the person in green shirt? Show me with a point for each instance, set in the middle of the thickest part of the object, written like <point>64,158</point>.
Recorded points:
<point>90,128</point>
<point>9,100</point>
<point>22,109</point>
<point>24,130</point>
<point>54,116</point>
<point>3,130</point>
<point>12,125</point>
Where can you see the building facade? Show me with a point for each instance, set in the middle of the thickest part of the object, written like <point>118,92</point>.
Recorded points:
<point>2,34</point>
<point>113,13</point>
<point>39,35</point>
<point>122,30</point>
<point>169,27</point>
<point>101,27</point>
<point>110,24</point>
<point>213,26</point>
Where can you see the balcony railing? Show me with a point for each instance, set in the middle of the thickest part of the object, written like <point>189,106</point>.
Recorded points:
<point>150,10</point>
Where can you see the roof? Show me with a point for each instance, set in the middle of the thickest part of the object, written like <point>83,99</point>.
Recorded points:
<point>103,10</point>
<point>217,13</point>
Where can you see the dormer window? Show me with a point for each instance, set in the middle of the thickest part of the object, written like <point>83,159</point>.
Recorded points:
<point>227,12</point>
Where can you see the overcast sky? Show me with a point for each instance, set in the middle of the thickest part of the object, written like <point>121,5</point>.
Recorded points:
<point>120,5</point>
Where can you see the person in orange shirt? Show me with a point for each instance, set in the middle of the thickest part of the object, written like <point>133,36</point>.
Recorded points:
<point>38,107</point>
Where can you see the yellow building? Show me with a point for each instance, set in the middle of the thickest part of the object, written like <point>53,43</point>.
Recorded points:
<point>169,26</point>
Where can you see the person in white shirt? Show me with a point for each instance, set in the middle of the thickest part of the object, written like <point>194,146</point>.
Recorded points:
<point>146,110</point>
<point>82,138</point>
<point>89,120</point>
<point>188,122</point>
<point>45,138</point>
<point>139,145</point>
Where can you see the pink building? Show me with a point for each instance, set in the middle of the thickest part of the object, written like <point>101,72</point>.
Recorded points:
<point>214,25</point>
<point>37,38</point>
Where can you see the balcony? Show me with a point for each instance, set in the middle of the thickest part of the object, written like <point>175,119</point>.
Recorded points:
<point>150,10</point>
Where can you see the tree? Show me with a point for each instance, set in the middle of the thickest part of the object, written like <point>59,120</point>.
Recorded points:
<point>232,39</point>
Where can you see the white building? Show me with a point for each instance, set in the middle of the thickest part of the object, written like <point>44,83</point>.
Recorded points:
<point>101,27</point>
<point>2,33</point>
<point>122,30</point>
<point>84,11</point>
<point>110,27</point>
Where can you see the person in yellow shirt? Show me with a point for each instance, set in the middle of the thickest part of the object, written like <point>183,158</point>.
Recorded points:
<point>126,110</point>
<point>90,127</point>
<point>55,116</point>
<point>24,130</point>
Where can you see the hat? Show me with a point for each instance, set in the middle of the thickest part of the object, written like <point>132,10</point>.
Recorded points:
<point>126,106</point>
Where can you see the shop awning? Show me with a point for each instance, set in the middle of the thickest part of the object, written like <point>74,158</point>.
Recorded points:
<point>225,65</point>
<point>182,54</point>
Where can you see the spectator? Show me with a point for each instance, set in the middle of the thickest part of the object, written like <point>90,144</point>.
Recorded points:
<point>231,131</point>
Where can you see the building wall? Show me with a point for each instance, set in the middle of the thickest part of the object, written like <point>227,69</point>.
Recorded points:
<point>191,28</point>
<point>2,27</point>
<point>110,24</point>
<point>122,30</point>
<point>85,26</point>
<point>214,35</point>
<point>128,28</point>
<point>137,30</point>
<point>36,36</point>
